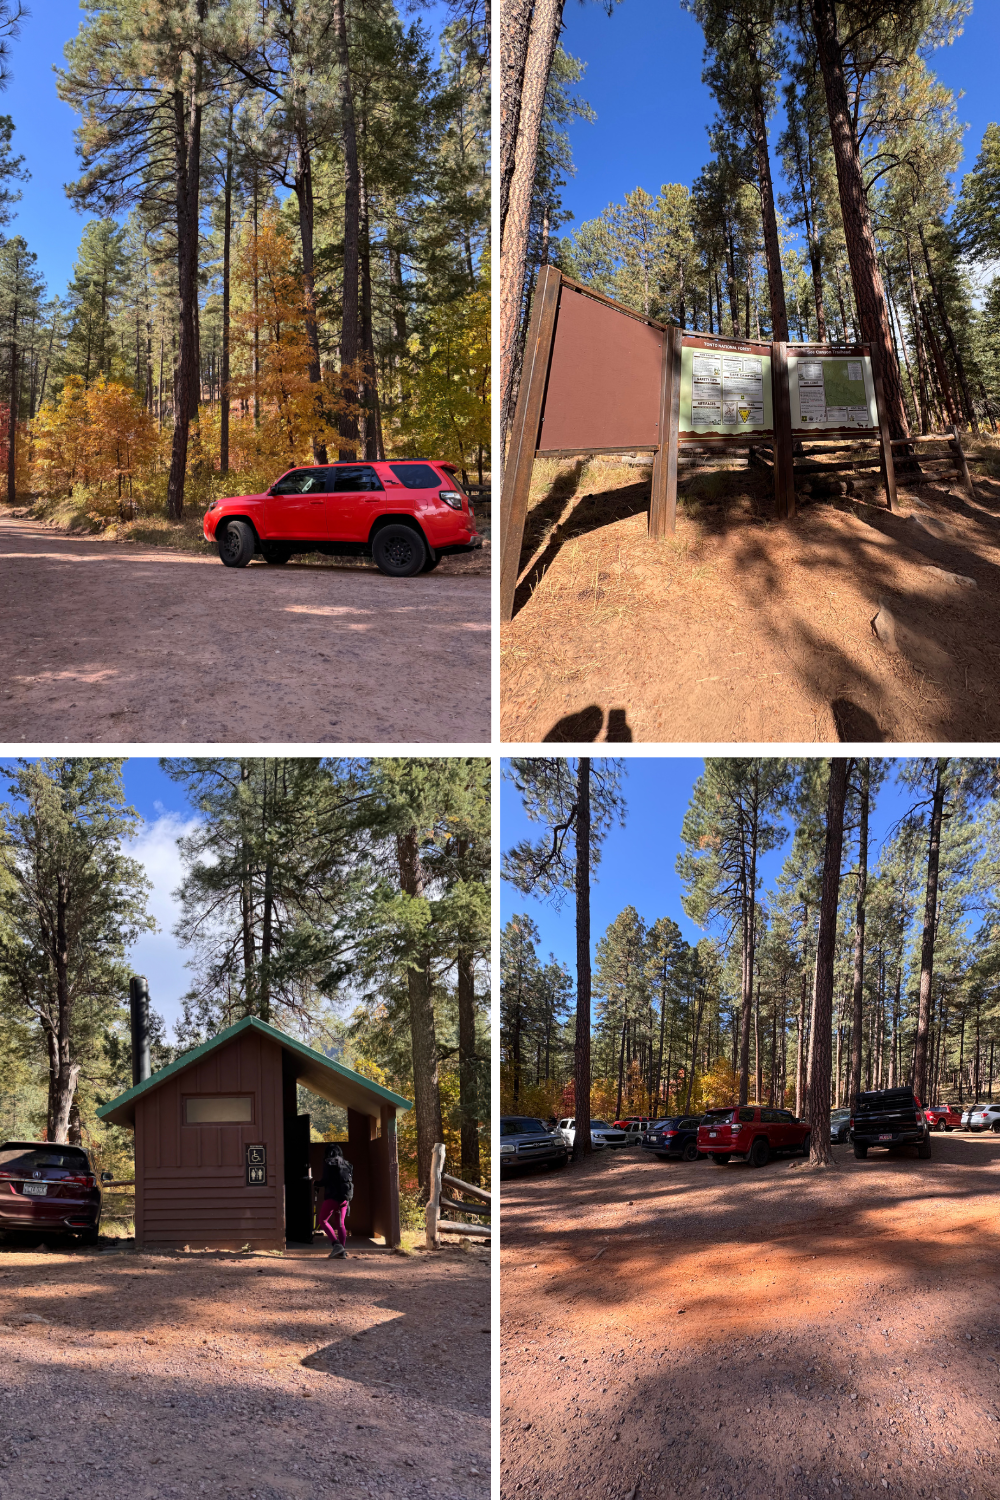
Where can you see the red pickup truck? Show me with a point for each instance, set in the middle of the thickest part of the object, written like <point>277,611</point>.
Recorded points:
<point>943,1116</point>
<point>406,514</point>
<point>752,1132</point>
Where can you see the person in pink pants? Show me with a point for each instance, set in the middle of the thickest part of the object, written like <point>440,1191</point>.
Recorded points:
<point>337,1190</point>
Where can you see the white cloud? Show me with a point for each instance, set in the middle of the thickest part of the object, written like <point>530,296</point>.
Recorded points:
<point>158,955</point>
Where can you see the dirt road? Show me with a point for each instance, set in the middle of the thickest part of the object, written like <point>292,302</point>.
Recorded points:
<point>252,1377</point>
<point>120,642</point>
<point>691,1330</point>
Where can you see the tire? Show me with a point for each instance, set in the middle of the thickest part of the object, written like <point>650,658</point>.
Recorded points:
<point>760,1153</point>
<point>690,1152</point>
<point>860,1152</point>
<point>561,1163</point>
<point>276,555</point>
<point>720,1157</point>
<point>399,551</point>
<point>804,1149</point>
<point>433,558</point>
<point>941,1125</point>
<point>996,1127</point>
<point>924,1150</point>
<point>237,544</point>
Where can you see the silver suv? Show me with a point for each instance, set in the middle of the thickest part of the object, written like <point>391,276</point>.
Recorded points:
<point>982,1116</point>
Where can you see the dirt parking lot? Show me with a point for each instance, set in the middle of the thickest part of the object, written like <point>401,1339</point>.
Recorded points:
<point>253,1377</point>
<point>690,1330</point>
<point>104,641</point>
<point>743,629</point>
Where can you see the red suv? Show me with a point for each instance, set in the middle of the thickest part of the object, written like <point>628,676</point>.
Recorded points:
<point>406,514</point>
<point>50,1187</point>
<point>943,1116</point>
<point>749,1131</point>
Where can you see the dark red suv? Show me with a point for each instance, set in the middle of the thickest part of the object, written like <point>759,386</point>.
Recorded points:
<point>50,1187</point>
<point>752,1132</point>
<point>407,514</point>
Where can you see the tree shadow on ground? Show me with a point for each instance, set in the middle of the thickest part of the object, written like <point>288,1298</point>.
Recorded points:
<point>590,513</point>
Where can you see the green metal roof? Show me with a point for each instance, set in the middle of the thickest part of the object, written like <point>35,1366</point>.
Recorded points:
<point>331,1080</point>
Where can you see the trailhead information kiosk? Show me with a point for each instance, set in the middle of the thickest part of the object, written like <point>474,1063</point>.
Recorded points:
<point>599,377</point>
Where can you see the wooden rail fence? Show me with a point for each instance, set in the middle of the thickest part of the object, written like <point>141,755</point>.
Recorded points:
<point>433,1221</point>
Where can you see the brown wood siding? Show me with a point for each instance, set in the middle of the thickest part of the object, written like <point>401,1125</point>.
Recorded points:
<point>190,1179</point>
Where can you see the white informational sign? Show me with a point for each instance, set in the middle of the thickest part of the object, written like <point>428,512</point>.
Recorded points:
<point>727,390</point>
<point>831,391</point>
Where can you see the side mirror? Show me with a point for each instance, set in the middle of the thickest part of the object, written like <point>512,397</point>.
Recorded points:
<point>107,1177</point>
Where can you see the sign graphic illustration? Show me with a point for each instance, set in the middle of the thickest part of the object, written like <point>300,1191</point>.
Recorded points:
<point>256,1163</point>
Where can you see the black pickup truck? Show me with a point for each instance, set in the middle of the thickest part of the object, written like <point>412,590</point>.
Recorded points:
<point>891,1117</point>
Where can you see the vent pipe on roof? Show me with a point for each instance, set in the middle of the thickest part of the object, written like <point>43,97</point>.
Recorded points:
<point>138,997</point>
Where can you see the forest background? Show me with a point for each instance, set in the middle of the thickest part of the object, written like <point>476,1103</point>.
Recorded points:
<point>344,901</point>
<point>837,195</point>
<point>706,896</point>
<point>283,256</point>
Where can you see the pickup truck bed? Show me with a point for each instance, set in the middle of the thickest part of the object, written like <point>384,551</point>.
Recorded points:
<point>889,1118</point>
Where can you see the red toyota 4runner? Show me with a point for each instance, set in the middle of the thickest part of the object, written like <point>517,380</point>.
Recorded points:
<point>752,1132</point>
<point>406,514</point>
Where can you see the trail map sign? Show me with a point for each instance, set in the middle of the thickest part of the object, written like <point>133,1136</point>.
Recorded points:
<point>598,377</point>
<point>725,387</point>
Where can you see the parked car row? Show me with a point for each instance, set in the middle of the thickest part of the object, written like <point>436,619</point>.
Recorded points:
<point>884,1119</point>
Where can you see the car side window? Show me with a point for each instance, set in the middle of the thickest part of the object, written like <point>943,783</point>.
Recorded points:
<point>769,1116</point>
<point>785,1115</point>
<point>295,483</point>
<point>747,1116</point>
<point>360,477</point>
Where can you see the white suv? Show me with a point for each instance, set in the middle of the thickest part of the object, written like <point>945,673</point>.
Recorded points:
<point>982,1117</point>
<point>601,1133</point>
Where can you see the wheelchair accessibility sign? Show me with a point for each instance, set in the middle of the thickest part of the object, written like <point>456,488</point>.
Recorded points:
<point>256,1163</point>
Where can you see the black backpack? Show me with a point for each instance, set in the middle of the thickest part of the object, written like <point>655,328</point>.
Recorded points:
<point>338,1179</point>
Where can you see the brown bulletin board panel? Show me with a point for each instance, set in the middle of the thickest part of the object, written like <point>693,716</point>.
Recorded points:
<point>604,378</point>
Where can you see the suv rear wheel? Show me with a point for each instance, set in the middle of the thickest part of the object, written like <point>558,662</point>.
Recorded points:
<point>399,551</point>
<point>760,1153</point>
<point>924,1150</point>
<point>237,544</point>
<point>806,1145</point>
<point>276,554</point>
<point>941,1125</point>
<point>860,1151</point>
<point>91,1236</point>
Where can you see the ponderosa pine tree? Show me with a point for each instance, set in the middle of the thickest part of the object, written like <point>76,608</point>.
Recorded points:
<point>826,942</point>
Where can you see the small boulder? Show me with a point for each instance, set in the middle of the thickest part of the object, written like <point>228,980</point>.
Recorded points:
<point>959,578</point>
<point>884,626</point>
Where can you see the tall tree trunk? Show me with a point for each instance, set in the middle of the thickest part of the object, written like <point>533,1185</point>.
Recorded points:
<point>918,345</point>
<point>826,948</point>
<point>12,418</point>
<point>929,933</point>
<point>944,383</point>
<point>227,238</point>
<point>349,343</point>
<point>864,793</point>
<point>949,332</point>
<point>467,1090</point>
<point>581,1049</point>
<point>373,448</point>
<point>772,247</point>
<point>62,1087</point>
<point>423,1037</point>
<point>303,186</point>
<point>544,35</point>
<point>515,30</point>
<point>187,163</point>
<point>694,1049</point>
<point>861,250</point>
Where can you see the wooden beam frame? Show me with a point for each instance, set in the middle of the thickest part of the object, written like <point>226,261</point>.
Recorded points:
<point>663,496</point>
<point>525,431</point>
<point>885,442</point>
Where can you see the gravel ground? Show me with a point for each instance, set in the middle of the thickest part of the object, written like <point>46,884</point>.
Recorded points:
<point>774,1335</point>
<point>258,1377</point>
<point>105,641</point>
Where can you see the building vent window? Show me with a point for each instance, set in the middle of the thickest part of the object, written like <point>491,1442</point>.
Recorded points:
<point>219,1111</point>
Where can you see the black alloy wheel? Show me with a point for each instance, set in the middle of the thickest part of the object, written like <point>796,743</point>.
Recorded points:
<point>690,1152</point>
<point>237,544</point>
<point>806,1145</point>
<point>399,551</point>
<point>760,1153</point>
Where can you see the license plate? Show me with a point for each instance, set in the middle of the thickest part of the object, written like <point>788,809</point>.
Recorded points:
<point>885,1137</point>
<point>36,1189</point>
<point>712,1134</point>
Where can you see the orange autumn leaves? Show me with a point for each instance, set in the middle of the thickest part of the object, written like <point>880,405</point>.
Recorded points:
<point>103,436</point>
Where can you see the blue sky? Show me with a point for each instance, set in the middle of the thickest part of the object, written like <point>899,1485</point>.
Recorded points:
<point>638,862</point>
<point>643,78</point>
<point>44,132</point>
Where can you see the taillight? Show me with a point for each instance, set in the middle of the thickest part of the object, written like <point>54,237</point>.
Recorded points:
<point>452,498</point>
<point>735,1127</point>
<point>81,1181</point>
<point>670,1132</point>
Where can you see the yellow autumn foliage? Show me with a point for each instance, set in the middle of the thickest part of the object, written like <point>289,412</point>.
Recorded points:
<point>102,435</point>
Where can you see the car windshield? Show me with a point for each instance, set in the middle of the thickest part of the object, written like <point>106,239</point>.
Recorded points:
<point>34,1158</point>
<point>667,1124</point>
<point>599,1125</point>
<point>719,1116</point>
<point>522,1127</point>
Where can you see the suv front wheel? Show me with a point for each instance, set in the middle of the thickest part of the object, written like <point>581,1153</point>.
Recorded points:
<point>237,544</point>
<point>399,551</point>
